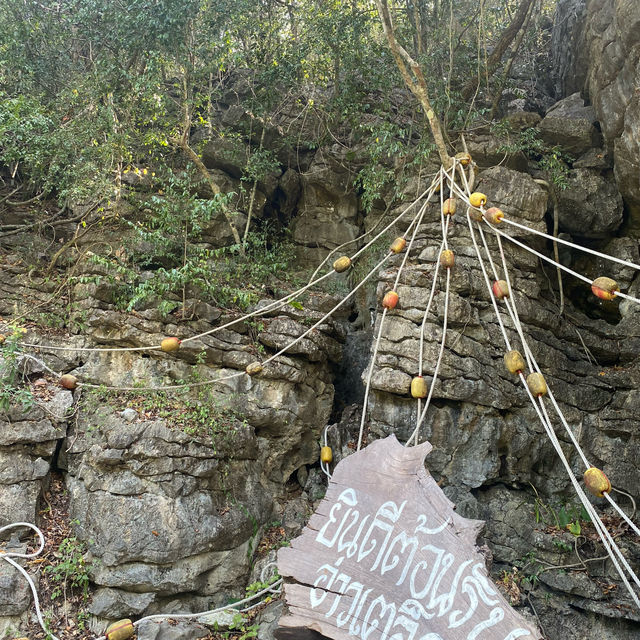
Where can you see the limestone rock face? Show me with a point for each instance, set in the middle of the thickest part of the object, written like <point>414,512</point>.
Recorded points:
<point>328,208</point>
<point>602,54</point>
<point>480,422</point>
<point>28,438</point>
<point>570,124</point>
<point>170,514</point>
<point>590,206</point>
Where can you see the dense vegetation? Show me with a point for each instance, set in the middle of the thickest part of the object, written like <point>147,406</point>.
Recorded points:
<point>97,96</point>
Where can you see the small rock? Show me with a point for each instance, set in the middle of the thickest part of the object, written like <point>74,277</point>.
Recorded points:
<point>129,414</point>
<point>177,630</point>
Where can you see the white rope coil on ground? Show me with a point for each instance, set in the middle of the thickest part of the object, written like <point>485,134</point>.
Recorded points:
<point>273,588</point>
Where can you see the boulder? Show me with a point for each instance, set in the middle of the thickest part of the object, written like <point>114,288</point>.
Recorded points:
<point>328,208</point>
<point>590,206</point>
<point>488,151</point>
<point>570,124</point>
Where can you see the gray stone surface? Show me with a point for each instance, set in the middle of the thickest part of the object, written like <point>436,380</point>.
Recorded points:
<point>171,630</point>
<point>328,207</point>
<point>116,603</point>
<point>590,206</point>
<point>610,44</point>
<point>15,594</point>
<point>570,124</point>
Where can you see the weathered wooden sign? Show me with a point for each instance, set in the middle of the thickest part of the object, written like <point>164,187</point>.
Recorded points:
<point>385,557</point>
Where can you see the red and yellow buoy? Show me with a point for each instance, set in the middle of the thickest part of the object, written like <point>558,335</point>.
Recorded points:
<point>342,264</point>
<point>398,245</point>
<point>514,362</point>
<point>390,300</point>
<point>500,289</point>
<point>169,345</point>
<point>596,482</point>
<point>605,288</point>
<point>494,215</point>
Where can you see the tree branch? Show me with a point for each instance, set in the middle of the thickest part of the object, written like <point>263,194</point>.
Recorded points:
<point>414,79</point>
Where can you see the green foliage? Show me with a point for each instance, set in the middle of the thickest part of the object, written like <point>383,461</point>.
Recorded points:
<point>239,629</point>
<point>200,414</point>
<point>256,587</point>
<point>71,569</point>
<point>12,390</point>
<point>551,159</point>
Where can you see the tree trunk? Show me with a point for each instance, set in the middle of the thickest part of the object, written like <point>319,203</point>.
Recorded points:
<point>414,79</point>
<point>193,156</point>
<point>506,38</point>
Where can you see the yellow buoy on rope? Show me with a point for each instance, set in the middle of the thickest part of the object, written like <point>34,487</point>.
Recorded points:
<point>120,630</point>
<point>464,158</point>
<point>326,455</point>
<point>477,199</point>
<point>449,207</point>
<point>419,387</point>
<point>342,264</point>
<point>537,384</point>
<point>398,245</point>
<point>447,258</point>
<point>254,368</point>
<point>169,345</point>
<point>597,482</point>
<point>514,362</point>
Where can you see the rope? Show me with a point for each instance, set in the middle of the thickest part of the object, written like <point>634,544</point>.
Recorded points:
<point>324,465</point>
<point>444,223</point>
<point>367,388</point>
<point>169,387</point>
<point>273,588</point>
<point>437,180</point>
<point>326,315</point>
<point>430,191</point>
<point>621,512</point>
<point>202,383</point>
<point>486,279</point>
<point>273,306</point>
<point>607,540</point>
<point>605,536</point>
<point>626,263</point>
<point>424,324</point>
<point>364,235</point>
<point>533,365</point>
<point>8,555</point>
<point>416,431</point>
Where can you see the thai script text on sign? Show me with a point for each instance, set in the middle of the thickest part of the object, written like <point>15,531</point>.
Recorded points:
<point>409,558</point>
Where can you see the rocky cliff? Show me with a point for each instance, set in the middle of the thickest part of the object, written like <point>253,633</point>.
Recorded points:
<point>173,494</point>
